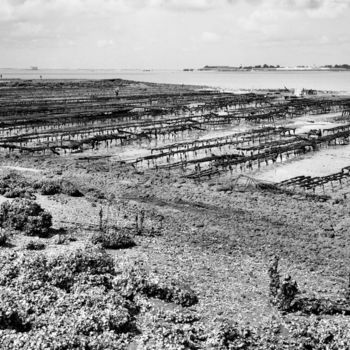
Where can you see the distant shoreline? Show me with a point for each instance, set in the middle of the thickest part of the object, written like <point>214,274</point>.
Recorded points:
<point>204,69</point>
<point>270,69</point>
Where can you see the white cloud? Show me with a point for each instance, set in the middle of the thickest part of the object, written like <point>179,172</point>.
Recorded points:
<point>266,20</point>
<point>324,39</point>
<point>6,11</point>
<point>169,33</point>
<point>313,8</point>
<point>27,29</point>
<point>25,9</point>
<point>210,37</point>
<point>328,9</point>
<point>105,43</point>
<point>194,5</point>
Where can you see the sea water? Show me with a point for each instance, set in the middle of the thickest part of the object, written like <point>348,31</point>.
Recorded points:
<point>319,80</point>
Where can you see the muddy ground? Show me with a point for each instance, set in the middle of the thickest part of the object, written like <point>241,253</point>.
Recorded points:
<point>219,243</point>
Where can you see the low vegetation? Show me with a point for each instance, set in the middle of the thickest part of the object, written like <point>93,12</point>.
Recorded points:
<point>4,237</point>
<point>286,296</point>
<point>83,299</point>
<point>113,239</point>
<point>26,216</point>
<point>137,281</point>
<point>51,187</point>
<point>35,245</point>
<point>14,185</point>
<point>70,301</point>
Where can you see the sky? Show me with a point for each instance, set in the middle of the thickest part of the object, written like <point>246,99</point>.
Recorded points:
<point>172,34</point>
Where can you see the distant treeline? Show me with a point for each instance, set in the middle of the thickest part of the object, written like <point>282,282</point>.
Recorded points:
<point>338,66</point>
<point>264,66</point>
<point>276,67</point>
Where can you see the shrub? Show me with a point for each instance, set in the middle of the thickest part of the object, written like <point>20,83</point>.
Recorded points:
<point>63,238</point>
<point>35,245</point>
<point>172,330</point>
<point>37,313</point>
<point>113,239</point>
<point>12,317</point>
<point>51,187</point>
<point>313,333</point>
<point>95,194</point>
<point>3,238</point>
<point>9,268</point>
<point>138,281</point>
<point>228,335</point>
<point>282,293</point>
<point>170,291</point>
<point>275,282</point>
<point>184,316</point>
<point>70,189</point>
<point>14,185</point>
<point>25,215</point>
<point>89,260</point>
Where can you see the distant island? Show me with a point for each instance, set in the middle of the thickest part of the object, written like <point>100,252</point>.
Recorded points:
<point>266,67</point>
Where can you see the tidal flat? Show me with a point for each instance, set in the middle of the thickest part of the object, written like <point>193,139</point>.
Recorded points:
<point>140,215</point>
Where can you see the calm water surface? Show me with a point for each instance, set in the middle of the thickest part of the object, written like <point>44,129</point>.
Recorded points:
<point>335,81</point>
